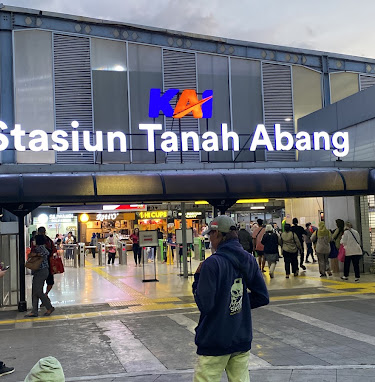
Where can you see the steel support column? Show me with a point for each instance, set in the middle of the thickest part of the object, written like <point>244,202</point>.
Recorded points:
<point>184,244</point>
<point>6,84</point>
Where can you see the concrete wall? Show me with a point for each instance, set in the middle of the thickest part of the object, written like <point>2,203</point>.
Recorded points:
<point>306,210</point>
<point>342,207</point>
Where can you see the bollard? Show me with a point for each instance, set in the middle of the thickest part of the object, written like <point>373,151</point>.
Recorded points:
<point>81,252</point>
<point>169,255</point>
<point>101,254</point>
<point>123,255</point>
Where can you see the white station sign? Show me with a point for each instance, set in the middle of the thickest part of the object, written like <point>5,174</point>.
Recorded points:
<point>38,140</point>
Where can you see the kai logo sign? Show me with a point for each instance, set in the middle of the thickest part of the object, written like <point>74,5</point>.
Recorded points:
<point>187,102</point>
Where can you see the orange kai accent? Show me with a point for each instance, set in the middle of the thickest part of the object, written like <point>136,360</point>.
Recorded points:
<point>189,102</point>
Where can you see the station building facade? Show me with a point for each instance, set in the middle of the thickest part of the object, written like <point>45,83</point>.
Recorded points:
<point>59,68</point>
<point>102,84</point>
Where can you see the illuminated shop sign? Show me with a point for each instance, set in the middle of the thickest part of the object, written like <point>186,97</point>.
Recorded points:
<point>102,217</point>
<point>125,207</point>
<point>170,142</point>
<point>153,214</point>
<point>188,102</point>
<point>52,218</point>
<point>61,218</point>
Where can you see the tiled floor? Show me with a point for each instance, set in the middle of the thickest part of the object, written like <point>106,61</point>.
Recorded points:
<point>116,284</point>
<point>111,326</point>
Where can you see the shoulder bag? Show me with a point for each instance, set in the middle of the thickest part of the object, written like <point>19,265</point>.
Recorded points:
<point>334,251</point>
<point>295,242</point>
<point>56,265</point>
<point>341,254</point>
<point>34,261</point>
<point>363,252</point>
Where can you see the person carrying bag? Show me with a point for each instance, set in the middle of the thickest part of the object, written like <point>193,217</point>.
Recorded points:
<point>353,251</point>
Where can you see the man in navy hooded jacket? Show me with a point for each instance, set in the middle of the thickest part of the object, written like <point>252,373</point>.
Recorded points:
<point>224,332</point>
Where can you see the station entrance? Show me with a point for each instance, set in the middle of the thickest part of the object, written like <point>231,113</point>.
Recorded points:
<point>337,195</point>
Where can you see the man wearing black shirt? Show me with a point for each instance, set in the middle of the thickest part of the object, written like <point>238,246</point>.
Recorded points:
<point>299,231</point>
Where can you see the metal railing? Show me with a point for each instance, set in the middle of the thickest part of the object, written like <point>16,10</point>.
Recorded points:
<point>9,284</point>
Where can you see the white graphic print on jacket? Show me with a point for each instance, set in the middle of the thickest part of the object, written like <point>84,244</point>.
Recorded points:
<point>236,296</point>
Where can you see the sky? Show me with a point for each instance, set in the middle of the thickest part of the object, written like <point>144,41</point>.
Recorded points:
<point>339,26</point>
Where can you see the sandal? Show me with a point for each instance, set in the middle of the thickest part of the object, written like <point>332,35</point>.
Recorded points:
<point>49,312</point>
<point>29,315</point>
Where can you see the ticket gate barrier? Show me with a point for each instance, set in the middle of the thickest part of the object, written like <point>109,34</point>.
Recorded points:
<point>123,255</point>
<point>102,254</point>
<point>81,254</point>
<point>71,255</point>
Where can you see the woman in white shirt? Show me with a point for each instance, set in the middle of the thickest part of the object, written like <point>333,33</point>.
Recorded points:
<point>353,251</point>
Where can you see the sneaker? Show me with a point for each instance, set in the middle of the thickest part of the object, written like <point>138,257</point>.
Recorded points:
<point>295,274</point>
<point>329,273</point>
<point>356,280</point>
<point>287,276</point>
<point>344,278</point>
<point>307,262</point>
<point>303,267</point>
<point>271,275</point>
<point>323,275</point>
<point>4,370</point>
<point>314,261</point>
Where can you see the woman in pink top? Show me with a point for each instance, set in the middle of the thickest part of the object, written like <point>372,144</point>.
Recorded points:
<point>134,237</point>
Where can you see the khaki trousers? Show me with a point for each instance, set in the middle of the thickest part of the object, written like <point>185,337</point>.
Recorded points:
<point>210,368</point>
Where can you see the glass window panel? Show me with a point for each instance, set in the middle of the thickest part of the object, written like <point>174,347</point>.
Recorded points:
<point>111,111</point>
<point>343,85</point>
<point>213,74</point>
<point>247,109</point>
<point>108,55</point>
<point>34,88</point>
<point>110,94</point>
<point>306,102</point>
<point>145,72</point>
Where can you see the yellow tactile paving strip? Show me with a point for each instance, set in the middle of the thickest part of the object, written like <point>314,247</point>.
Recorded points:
<point>104,313</point>
<point>144,302</point>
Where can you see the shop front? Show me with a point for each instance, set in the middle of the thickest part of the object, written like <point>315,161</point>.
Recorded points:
<point>55,224</point>
<point>152,220</point>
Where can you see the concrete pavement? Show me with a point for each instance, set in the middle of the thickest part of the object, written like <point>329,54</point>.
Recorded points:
<point>313,330</point>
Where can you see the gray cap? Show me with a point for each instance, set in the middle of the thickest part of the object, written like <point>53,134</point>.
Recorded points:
<point>222,223</point>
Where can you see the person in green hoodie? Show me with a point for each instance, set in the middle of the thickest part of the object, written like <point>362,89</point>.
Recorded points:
<point>322,237</point>
<point>47,369</point>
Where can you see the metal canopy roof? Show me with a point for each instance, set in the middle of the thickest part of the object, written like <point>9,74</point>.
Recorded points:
<point>174,186</point>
